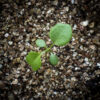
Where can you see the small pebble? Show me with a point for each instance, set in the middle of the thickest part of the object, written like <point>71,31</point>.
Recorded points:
<point>82,40</point>
<point>29,3</point>
<point>23,53</point>
<point>55,2</point>
<point>92,47</point>
<point>6,35</point>
<point>73,79</point>
<point>72,1</point>
<point>91,31</point>
<point>86,59</point>
<point>87,63</point>
<point>67,9</point>
<point>15,81</point>
<point>84,23</point>
<point>74,54</point>
<point>55,93</point>
<point>81,47</point>
<point>77,68</point>
<point>98,64</point>
<point>74,27</point>
<point>10,42</point>
<point>49,11</point>
<point>22,11</point>
<point>54,49</point>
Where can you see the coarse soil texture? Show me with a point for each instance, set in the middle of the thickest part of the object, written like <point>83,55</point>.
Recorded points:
<point>76,77</point>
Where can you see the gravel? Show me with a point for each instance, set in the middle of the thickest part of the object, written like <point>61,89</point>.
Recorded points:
<point>76,77</point>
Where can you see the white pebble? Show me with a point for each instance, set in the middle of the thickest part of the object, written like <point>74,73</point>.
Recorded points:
<point>49,11</point>
<point>74,54</point>
<point>74,27</point>
<point>73,39</point>
<point>55,93</point>
<point>81,39</point>
<point>22,11</point>
<point>84,23</point>
<point>27,44</point>
<point>55,3</point>
<point>72,1</point>
<point>24,30</point>
<point>15,81</point>
<point>87,63</point>
<point>73,79</point>
<point>81,47</point>
<point>6,35</point>
<point>29,3</point>
<point>61,13</point>
<point>86,59</point>
<point>54,49</point>
<point>77,68</point>
<point>18,72</point>
<point>10,42</point>
<point>67,9</point>
<point>98,64</point>
<point>23,53</point>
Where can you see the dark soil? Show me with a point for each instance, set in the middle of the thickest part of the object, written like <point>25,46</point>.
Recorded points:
<point>76,77</point>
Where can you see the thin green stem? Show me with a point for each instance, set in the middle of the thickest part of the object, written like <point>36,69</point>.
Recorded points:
<point>47,49</point>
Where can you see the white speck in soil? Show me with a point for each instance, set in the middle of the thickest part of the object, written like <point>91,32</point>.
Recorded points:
<point>6,35</point>
<point>49,11</point>
<point>74,54</point>
<point>86,59</point>
<point>67,9</point>
<point>10,42</point>
<point>77,68</point>
<point>55,93</point>
<point>22,11</point>
<point>73,39</point>
<point>54,49</point>
<point>81,47</point>
<point>29,3</point>
<point>73,79</point>
<point>23,53</point>
<point>55,2</point>
<point>15,81</point>
<point>72,1</point>
<point>27,44</point>
<point>61,13</point>
<point>84,23</point>
<point>98,64</point>
<point>74,27</point>
<point>81,39</point>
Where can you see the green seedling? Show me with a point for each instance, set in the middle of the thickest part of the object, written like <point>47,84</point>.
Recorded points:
<point>60,35</point>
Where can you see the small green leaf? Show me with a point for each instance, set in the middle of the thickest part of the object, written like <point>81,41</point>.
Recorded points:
<point>40,43</point>
<point>34,60</point>
<point>53,59</point>
<point>61,34</point>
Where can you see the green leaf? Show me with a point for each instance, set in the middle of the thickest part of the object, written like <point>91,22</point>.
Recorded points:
<point>53,59</point>
<point>40,43</point>
<point>34,60</point>
<point>61,34</point>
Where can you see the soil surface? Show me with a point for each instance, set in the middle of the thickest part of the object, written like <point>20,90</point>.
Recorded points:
<point>76,77</point>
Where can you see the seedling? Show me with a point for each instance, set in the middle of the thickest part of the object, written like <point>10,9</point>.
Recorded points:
<point>60,35</point>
